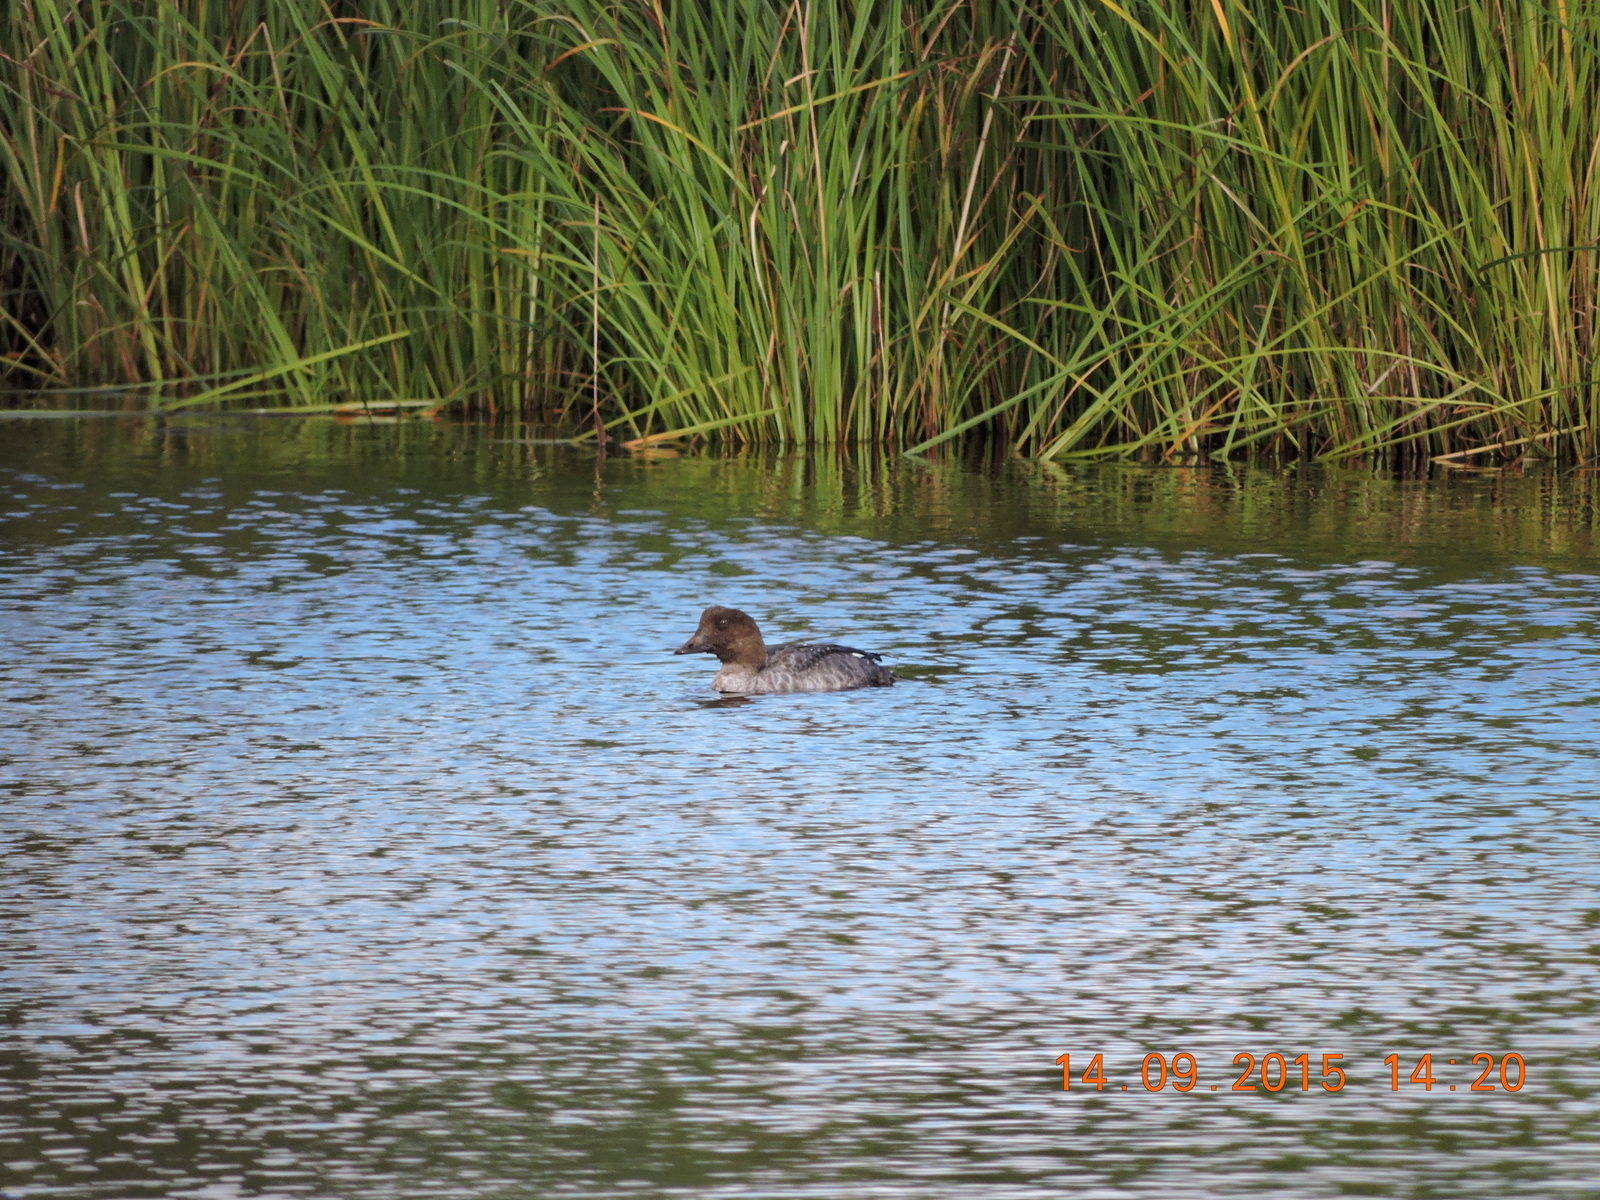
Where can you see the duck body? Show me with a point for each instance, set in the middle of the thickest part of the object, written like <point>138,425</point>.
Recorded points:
<point>749,668</point>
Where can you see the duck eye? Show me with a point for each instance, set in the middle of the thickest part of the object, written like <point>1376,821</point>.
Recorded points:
<point>722,622</point>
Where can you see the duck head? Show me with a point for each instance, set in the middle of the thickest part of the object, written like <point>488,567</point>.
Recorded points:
<point>729,634</point>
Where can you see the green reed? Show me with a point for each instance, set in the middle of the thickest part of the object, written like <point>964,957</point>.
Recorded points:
<point>1207,227</point>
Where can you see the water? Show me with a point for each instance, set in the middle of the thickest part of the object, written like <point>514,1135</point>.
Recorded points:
<point>361,838</point>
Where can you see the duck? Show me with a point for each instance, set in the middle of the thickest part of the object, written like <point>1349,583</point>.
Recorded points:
<point>749,668</point>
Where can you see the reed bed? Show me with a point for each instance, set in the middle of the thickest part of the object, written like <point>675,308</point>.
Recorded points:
<point>1340,230</point>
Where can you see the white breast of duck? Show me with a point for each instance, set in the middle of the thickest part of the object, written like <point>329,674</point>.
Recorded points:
<point>749,668</point>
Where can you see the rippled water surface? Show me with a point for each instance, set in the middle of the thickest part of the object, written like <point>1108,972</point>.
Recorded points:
<point>361,839</point>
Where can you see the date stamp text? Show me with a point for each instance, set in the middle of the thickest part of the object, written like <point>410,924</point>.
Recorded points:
<point>1304,1072</point>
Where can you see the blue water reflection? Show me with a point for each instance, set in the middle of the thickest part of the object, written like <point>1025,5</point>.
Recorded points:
<point>367,841</point>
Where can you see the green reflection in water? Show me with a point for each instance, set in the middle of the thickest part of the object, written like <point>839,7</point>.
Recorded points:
<point>1454,519</point>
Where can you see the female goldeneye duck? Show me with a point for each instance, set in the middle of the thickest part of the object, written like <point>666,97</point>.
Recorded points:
<point>748,667</point>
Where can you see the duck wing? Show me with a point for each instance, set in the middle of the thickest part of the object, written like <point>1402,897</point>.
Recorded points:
<point>823,667</point>
<point>797,656</point>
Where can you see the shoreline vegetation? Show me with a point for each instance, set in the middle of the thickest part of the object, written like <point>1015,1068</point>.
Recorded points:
<point>1340,231</point>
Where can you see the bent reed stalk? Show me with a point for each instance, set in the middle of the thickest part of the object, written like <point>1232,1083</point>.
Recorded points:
<point>1214,227</point>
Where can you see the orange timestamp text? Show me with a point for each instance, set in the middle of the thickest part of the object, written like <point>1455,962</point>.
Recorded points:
<point>1278,1071</point>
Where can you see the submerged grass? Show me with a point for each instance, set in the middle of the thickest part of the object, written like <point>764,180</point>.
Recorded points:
<point>1335,230</point>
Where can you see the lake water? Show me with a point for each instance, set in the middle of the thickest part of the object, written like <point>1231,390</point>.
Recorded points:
<point>361,837</point>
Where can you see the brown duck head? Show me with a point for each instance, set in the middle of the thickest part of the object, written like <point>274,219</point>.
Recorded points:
<point>729,634</point>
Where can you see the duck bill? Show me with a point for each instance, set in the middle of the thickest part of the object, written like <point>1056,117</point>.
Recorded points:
<point>693,646</point>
